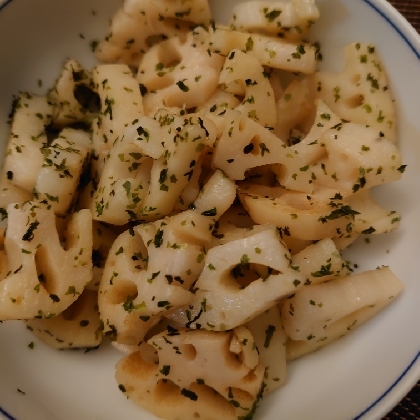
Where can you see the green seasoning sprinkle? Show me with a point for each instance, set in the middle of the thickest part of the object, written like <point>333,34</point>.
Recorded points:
<point>343,211</point>
<point>93,45</point>
<point>183,86</point>
<point>128,305</point>
<point>3,213</point>
<point>249,46</point>
<point>271,16</point>
<point>158,239</point>
<point>211,212</point>
<point>163,176</point>
<point>55,298</point>
<point>336,92</point>
<point>244,259</point>
<point>269,335</point>
<point>165,370</point>
<point>108,110</point>
<point>369,231</point>
<point>29,235</point>
<point>189,394</point>
<point>324,271</point>
<point>143,133</point>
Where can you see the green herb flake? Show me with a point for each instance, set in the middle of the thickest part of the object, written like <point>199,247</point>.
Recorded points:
<point>72,291</point>
<point>54,297</point>
<point>336,92</point>
<point>189,394</point>
<point>212,212</point>
<point>343,211</point>
<point>271,16</point>
<point>158,239</point>
<point>249,46</point>
<point>183,86</point>
<point>244,259</point>
<point>29,235</point>
<point>165,370</point>
<point>128,305</point>
<point>369,231</point>
<point>324,271</point>
<point>269,332</point>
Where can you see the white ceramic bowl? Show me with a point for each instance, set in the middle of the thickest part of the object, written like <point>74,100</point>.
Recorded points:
<point>361,376</point>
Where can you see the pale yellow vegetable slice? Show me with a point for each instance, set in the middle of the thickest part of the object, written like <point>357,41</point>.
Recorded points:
<point>200,374</point>
<point>44,278</point>
<point>320,314</point>
<point>76,327</point>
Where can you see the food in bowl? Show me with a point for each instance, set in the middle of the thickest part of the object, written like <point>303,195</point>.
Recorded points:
<point>250,187</point>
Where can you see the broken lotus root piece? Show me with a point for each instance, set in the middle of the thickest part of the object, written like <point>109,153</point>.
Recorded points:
<point>76,327</point>
<point>149,270</point>
<point>44,278</point>
<point>178,74</point>
<point>223,300</point>
<point>138,22</point>
<point>201,374</point>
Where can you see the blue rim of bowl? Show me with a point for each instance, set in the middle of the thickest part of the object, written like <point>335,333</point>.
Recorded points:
<point>378,7</point>
<point>2,6</point>
<point>4,413</point>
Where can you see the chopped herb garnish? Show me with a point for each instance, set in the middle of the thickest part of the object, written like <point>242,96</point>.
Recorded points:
<point>54,297</point>
<point>29,235</point>
<point>183,86</point>
<point>211,212</point>
<point>269,332</point>
<point>249,46</point>
<point>324,271</point>
<point>189,394</point>
<point>158,239</point>
<point>369,230</point>
<point>343,211</point>
<point>165,370</point>
<point>271,16</point>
